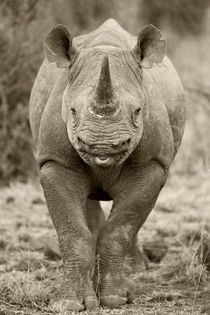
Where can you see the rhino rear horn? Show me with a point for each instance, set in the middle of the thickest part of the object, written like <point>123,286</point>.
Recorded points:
<point>58,46</point>
<point>104,90</point>
<point>150,48</point>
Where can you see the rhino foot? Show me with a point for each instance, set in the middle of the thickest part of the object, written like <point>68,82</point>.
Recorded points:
<point>66,306</point>
<point>113,293</point>
<point>112,301</point>
<point>65,302</point>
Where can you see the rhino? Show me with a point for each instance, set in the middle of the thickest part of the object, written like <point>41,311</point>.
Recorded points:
<point>107,114</point>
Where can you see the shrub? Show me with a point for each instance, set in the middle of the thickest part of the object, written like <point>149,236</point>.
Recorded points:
<point>183,16</point>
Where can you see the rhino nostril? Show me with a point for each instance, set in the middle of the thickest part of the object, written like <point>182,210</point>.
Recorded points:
<point>126,142</point>
<point>83,143</point>
<point>120,144</point>
<point>80,141</point>
<point>115,144</point>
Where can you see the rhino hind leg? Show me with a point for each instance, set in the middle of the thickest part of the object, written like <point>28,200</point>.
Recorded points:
<point>136,260</point>
<point>95,217</point>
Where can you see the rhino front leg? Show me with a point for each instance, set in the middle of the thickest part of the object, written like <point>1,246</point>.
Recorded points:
<point>66,195</point>
<point>136,194</point>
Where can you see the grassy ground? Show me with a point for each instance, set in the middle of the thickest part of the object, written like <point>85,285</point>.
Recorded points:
<point>179,284</point>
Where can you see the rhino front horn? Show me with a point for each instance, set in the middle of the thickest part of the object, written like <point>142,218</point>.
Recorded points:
<point>104,103</point>
<point>104,90</point>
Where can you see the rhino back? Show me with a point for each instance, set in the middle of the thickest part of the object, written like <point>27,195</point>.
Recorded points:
<point>109,33</point>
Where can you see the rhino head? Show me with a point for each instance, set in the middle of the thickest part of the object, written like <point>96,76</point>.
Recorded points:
<point>104,104</point>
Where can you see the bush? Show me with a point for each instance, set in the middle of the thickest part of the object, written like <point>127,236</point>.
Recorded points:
<point>183,16</point>
<point>19,62</point>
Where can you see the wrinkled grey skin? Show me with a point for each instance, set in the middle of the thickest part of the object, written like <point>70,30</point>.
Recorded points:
<point>107,115</point>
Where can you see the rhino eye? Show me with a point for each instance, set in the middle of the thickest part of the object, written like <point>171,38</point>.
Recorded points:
<point>73,111</point>
<point>136,117</point>
<point>137,111</point>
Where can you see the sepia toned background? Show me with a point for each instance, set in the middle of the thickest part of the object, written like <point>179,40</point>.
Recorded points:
<point>173,274</point>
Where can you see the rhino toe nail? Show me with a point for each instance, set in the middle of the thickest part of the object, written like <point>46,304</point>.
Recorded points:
<point>112,300</point>
<point>91,303</point>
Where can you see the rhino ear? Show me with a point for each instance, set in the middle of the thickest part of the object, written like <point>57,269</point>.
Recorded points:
<point>58,46</point>
<point>150,48</point>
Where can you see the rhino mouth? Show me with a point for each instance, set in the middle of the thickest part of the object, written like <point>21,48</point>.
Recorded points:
<point>102,160</point>
<point>102,155</point>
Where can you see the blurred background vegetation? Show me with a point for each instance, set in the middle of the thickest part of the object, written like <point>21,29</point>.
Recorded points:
<point>23,26</point>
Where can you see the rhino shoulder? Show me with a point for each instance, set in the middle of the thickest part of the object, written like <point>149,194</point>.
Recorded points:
<point>44,83</point>
<point>167,81</point>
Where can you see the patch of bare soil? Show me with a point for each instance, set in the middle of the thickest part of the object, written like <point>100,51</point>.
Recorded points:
<point>174,280</point>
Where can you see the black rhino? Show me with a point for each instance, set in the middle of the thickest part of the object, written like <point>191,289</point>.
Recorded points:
<point>107,114</point>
